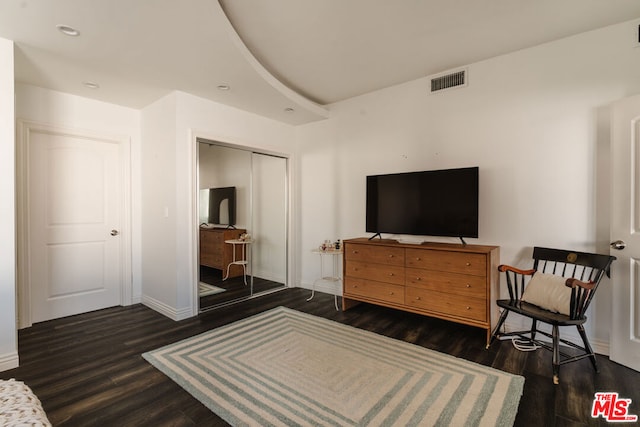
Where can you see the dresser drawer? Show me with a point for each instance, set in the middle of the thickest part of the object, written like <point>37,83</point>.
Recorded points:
<point>442,281</point>
<point>454,305</point>
<point>375,290</point>
<point>211,248</point>
<point>457,262</point>
<point>212,260</point>
<point>378,272</point>
<point>448,281</point>
<point>374,254</point>
<point>212,237</point>
<point>211,244</point>
<point>215,253</point>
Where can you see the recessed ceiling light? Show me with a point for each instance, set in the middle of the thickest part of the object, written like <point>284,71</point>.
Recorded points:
<point>224,87</point>
<point>289,110</point>
<point>91,85</point>
<point>67,30</point>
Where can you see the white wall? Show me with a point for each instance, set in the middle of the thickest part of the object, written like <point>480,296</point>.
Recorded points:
<point>159,206</point>
<point>534,121</point>
<point>174,122</point>
<point>8,334</point>
<point>60,109</point>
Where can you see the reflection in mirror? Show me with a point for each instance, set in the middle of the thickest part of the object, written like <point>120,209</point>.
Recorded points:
<point>222,206</point>
<point>218,206</point>
<point>242,216</point>
<point>223,212</point>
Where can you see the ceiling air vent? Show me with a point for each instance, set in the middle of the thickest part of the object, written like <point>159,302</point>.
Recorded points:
<point>448,81</point>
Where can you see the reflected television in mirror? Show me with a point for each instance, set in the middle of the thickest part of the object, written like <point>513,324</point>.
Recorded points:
<point>218,206</point>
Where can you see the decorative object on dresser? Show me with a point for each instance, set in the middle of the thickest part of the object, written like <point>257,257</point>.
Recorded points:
<point>449,281</point>
<point>215,253</point>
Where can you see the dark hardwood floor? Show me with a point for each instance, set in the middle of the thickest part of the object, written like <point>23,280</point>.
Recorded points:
<point>88,371</point>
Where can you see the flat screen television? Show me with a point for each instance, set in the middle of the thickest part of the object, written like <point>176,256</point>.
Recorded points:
<point>428,203</point>
<point>218,206</point>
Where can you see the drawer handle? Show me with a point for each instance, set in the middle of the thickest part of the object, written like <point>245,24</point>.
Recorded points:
<point>468,285</point>
<point>391,293</point>
<point>355,252</point>
<point>355,286</point>
<point>468,308</point>
<point>418,279</point>
<point>391,256</point>
<point>390,274</point>
<point>417,298</point>
<point>468,264</point>
<point>418,259</point>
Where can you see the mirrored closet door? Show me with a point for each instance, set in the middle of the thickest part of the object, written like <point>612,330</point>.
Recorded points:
<point>242,204</point>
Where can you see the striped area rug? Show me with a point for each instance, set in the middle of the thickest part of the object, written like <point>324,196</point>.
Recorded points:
<point>283,367</point>
<point>205,289</point>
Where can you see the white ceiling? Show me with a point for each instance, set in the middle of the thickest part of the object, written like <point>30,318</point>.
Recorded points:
<point>299,54</point>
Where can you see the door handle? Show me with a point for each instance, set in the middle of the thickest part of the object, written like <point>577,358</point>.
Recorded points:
<point>114,232</point>
<point>618,245</point>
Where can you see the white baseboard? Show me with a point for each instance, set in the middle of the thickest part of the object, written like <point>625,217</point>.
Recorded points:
<point>166,310</point>
<point>600,347</point>
<point>9,361</point>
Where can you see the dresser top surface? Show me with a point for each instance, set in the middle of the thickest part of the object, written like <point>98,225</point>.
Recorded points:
<point>457,247</point>
<point>221,229</point>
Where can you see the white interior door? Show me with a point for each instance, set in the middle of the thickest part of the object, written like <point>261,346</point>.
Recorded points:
<point>625,227</point>
<point>73,191</point>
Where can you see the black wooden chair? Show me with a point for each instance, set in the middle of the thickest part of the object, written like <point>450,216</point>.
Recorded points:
<point>580,273</point>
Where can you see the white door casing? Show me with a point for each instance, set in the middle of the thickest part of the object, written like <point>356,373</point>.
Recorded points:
<point>625,226</point>
<point>74,188</point>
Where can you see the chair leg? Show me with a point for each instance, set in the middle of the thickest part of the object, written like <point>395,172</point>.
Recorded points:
<point>534,329</point>
<point>555,334</point>
<point>496,331</point>
<point>587,347</point>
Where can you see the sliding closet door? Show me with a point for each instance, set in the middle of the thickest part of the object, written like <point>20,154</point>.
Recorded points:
<point>224,267</point>
<point>269,221</point>
<point>259,264</point>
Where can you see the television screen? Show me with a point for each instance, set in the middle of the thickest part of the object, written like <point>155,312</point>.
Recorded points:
<point>218,206</point>
<point>429,203</point>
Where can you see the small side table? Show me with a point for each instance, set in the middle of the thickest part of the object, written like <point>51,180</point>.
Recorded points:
<point>243,260</point>
<point>335,277</point>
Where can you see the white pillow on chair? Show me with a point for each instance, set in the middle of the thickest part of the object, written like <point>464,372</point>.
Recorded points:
<point>548,291</point>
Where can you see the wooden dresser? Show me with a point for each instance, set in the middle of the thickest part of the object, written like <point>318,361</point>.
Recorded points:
<point>215,253</point>
<point>448,281</point>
